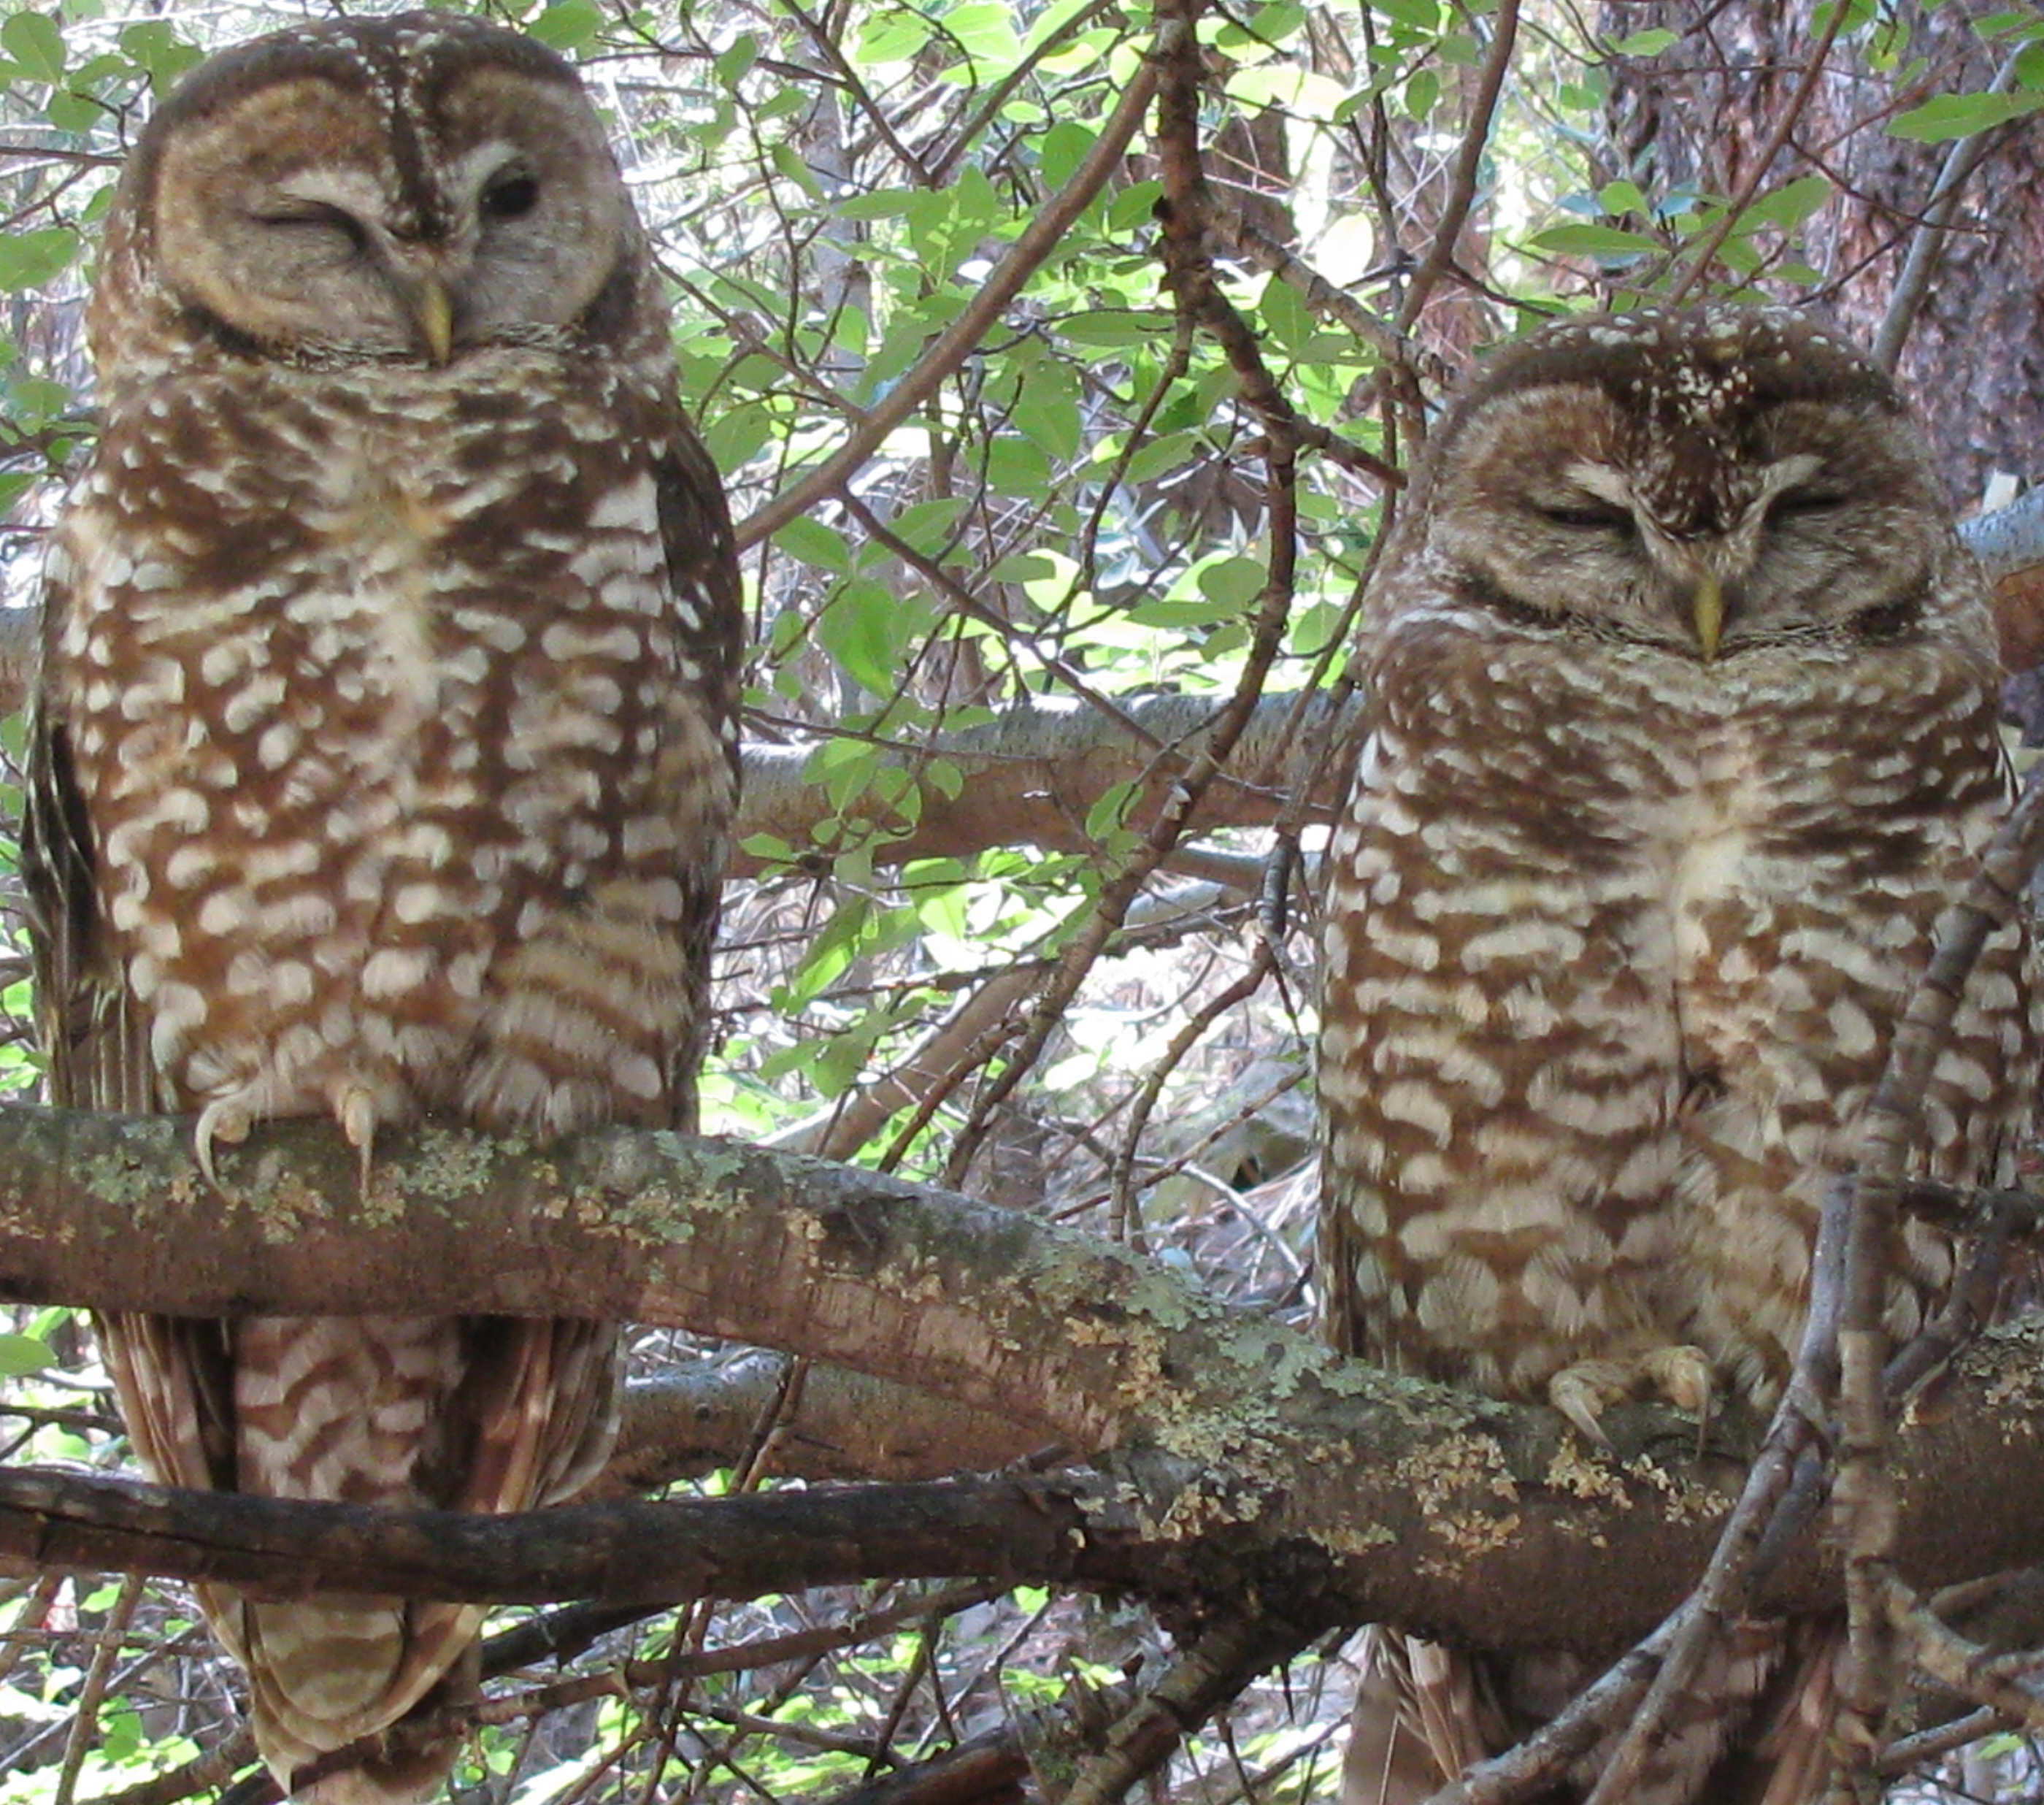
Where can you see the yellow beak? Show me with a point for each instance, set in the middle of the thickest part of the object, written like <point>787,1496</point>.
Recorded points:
<point>434,310</point>
<point>1707,609</point>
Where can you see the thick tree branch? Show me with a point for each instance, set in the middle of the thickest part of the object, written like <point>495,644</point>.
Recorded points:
<point>844,1425</point>
<point>1031,776</point>
<point>1250,1459</point>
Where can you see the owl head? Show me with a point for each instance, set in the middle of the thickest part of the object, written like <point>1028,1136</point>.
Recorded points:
<point>1702,481</point>
<point>407,188</point>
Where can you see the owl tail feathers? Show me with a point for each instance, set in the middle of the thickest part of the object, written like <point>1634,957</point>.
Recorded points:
<point>328,1675</point>
<point>1417,1723</point>
<point>1749,1732</point>
<point>413,1778</point>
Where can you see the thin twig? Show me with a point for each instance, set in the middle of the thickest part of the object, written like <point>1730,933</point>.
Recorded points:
<point>1210,1674</point>
<point>1865,1488</point>
<point>1468,165</point>
<point>1960,1665</point>
<point>952,346</point>
<point>1699,260</point>
<point>1544,1757</point>
<point>1926,243</point>
<point>1188,274</point>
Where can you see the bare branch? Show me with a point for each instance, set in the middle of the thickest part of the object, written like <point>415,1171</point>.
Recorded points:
<point>1468,165</point>
<point>1253,1457</point>
<point>1926,243</point>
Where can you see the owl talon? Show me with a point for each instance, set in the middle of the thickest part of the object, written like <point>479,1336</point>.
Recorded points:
<point>1580,1392</point>
<point>1680,1376</point>
<point>224,1119</point>
<point>355,1108</point>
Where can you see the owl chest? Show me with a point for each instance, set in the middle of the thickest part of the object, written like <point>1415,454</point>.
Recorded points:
<point>1710,845</point>
<point>342,747</point>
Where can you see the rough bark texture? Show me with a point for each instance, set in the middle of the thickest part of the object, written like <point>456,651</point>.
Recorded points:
<point>1249,1462</point>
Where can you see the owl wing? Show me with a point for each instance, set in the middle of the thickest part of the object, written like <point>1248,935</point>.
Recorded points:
<point>525,1457</point>
<point>172,1373</point>
<point>708,620</point>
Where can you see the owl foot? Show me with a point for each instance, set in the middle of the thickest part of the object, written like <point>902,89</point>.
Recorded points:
<point>355,1109</point>
<point>1678,1374</point>
<point>224,1119</point>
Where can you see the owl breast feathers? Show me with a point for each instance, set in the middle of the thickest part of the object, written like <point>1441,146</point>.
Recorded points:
<point>1682,733</point>
<point>384,754</point>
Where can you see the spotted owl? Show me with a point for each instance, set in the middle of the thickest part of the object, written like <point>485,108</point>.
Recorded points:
<point>383,758</point>
<point>1681,732</point>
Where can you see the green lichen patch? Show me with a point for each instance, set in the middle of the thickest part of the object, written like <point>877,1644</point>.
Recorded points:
<point>452,1163</point>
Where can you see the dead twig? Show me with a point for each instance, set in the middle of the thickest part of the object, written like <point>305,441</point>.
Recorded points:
<point>1866,1489</point>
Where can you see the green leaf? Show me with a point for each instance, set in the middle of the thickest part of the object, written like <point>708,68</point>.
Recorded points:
<point>119,1731</point>
<point>1649,43</point>
<point>779,105</point>
<point>1115,326</point>
<point>790,161</point>
<point>1169,452</point>
<point>21,1354</point>
<point>829,953</point>
<point>1180,615</point>
<point>811,540</point>
<point>1107,814</point>
<point>1593,241</point>
<point>1135,206</point>
<point>734,437</point>
<point>1233,582</point>
<point>34,41</point>
<point>1422,16</point>
<point>882,203</point>
<point>770,847</point>
<point>1048,412</point>
<point>1015,466</point>
<point>1061,149</point>
<point>985,30</point>
<point>567,24</point>
<point>1790,204</point>
<point>31,259</point>
<point>928,524</point>
<point>734,65</point>
<point>157,48</point>
<point>929,213</point>
<point>1423,88</point>
<point>857,629</point>
<point>1286,315</point>
<point>1951,116</point>
<point>1621,197</point>
<point>893,34</point>
<point>79,113</point>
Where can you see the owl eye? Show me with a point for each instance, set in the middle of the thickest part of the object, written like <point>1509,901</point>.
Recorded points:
<point>510,196</point>
<point>316,216</point>
<point>1585,516</point>
<point>1803,503</point>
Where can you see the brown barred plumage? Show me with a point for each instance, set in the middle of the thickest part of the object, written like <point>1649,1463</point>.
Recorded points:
<point>1683,704</point>
<point>384,756</point>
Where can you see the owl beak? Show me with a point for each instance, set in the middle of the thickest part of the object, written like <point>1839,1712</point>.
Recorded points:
<point>1707,610</point>
<point>433,308</point>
